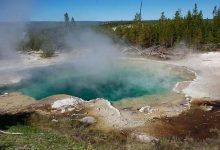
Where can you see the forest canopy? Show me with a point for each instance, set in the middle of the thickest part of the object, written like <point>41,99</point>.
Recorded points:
<point>191,29</point>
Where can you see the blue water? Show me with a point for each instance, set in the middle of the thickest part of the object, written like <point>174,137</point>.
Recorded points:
<point>115,83</point>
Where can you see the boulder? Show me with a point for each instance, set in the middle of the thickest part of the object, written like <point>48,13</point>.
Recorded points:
<point>67,104</point>
<point>88,120</point>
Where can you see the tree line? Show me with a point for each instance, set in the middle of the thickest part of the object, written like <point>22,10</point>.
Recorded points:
<point>191,29</point>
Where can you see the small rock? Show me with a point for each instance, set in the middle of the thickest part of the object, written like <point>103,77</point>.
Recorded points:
<point>54,120</point>
<point>88,120</point>
<point>142,109</point>
<point>143,137</point>
<point>188,98</point>
<point>72,102</point>
<point>70,109</point>
<point>63,111</point>
<point>5,94</point>
<point>147,109</point>
<point>206,108</point>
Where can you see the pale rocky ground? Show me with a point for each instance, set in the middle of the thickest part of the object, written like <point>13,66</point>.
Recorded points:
<point>15,102</point>
<point>207,69</point>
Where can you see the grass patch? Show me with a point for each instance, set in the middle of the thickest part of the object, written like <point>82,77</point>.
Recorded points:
<point>34,138</point>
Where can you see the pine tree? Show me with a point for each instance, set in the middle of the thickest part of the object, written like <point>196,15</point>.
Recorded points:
<point>137,17</point>
<point>162,17</point>
<point>178,25</point>
<point>72,21</point>
<point>66,19</point>
<point>216,26</point>
<point>178,15</point>
<point>195,10</point>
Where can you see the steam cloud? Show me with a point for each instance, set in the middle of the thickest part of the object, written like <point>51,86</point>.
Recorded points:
<point>14,16</point>
<point>97,52</point>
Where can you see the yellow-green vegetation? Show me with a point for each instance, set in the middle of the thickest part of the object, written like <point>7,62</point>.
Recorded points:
<point>88,134</point>
<point>38,139</point>
<point>33,138</point>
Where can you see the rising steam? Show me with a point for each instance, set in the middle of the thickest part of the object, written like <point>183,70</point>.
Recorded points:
<point>13,19</point>
<point>97,52</point>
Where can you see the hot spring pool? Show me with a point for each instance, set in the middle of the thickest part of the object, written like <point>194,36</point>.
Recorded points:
<point>117,82</point>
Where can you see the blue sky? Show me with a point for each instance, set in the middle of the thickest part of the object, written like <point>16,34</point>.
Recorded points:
<point>102,10</point>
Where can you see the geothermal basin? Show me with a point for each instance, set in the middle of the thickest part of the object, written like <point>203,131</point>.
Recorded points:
<point>114,82</point>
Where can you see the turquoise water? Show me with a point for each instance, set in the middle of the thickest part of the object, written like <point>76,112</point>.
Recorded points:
<point>115,83</point>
